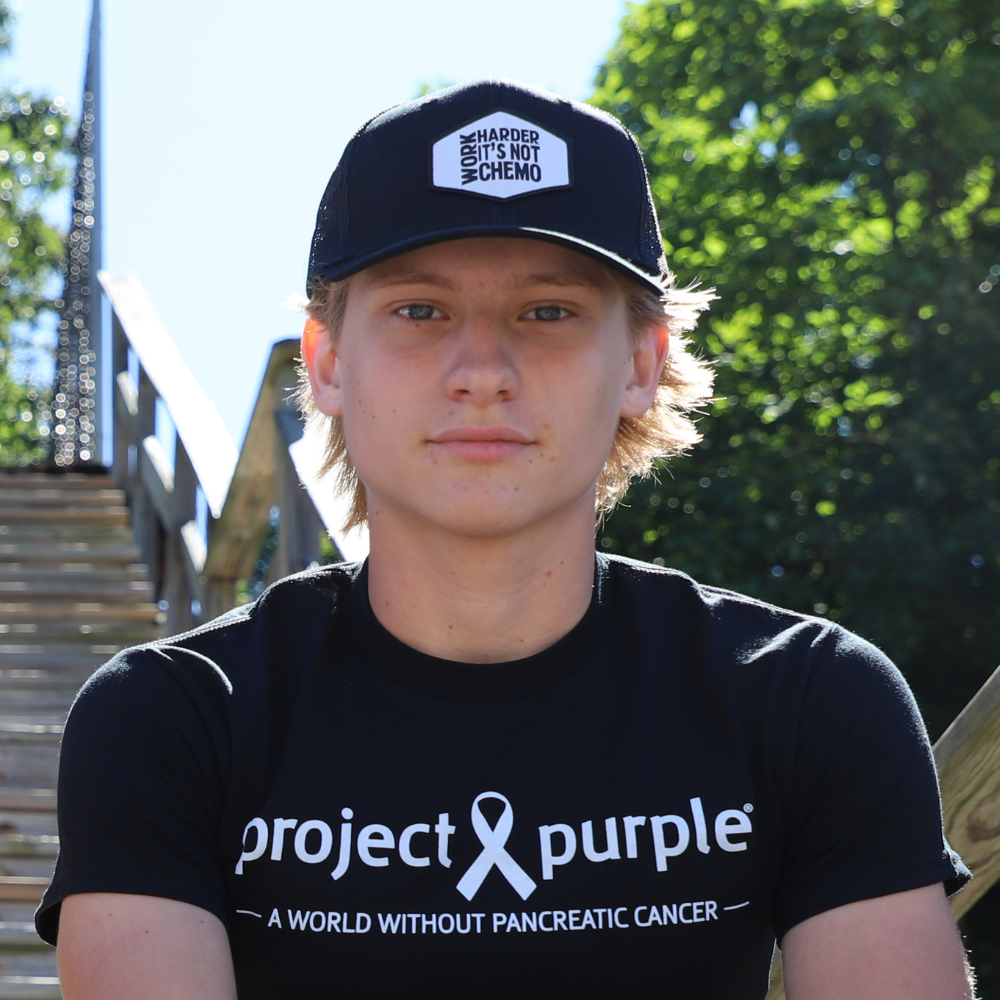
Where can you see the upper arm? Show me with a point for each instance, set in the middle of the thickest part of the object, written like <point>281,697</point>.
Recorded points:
<point>904,946</point>
<point>861,812</point>
<point>115,946</point>
<point>142,782</point>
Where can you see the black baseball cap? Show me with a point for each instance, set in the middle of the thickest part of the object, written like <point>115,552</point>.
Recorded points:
<point>489,158</point>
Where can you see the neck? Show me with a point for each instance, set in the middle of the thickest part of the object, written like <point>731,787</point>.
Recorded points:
<point>480,600</point>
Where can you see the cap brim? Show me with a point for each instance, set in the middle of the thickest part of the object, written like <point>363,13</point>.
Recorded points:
<point>337,272</point>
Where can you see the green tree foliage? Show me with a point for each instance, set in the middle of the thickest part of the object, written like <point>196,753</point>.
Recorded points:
<point>33,148</point>
<point>831,168</point>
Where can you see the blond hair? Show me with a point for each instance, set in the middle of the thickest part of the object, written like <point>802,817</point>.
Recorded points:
<point>665,430</point>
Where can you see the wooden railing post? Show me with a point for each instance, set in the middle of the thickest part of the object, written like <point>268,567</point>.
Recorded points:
<point>177,587</point>
<point>126,407</point>
<point>300,526</point>
<point>145,525</point>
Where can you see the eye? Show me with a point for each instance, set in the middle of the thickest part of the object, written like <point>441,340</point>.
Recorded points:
<point>547,314</point>
<point>420,311</point>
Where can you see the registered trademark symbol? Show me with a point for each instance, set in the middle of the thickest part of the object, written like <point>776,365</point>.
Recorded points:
<point>748,808</point>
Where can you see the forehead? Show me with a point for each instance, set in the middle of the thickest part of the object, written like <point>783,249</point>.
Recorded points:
<point>491,260</point>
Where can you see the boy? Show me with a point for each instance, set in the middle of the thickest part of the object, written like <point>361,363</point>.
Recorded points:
<point>485,763</point>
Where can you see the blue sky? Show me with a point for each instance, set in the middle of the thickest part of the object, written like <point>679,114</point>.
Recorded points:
<point>223,120</point>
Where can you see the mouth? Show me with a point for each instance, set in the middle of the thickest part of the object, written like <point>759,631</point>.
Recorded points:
<point>481,444</point>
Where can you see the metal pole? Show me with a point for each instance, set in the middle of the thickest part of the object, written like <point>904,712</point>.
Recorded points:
<point>78,394</point>
<point>101,394</point>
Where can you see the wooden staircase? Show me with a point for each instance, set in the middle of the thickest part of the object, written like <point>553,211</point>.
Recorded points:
<point>72,593</point>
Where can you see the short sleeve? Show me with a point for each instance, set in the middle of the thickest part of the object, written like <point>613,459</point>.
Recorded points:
<point>142,779</point>
<point>863,814</point>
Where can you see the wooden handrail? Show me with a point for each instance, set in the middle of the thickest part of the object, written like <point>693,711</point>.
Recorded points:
<point>243,519</point>
<point>968,760</point>
<point>195,416</point>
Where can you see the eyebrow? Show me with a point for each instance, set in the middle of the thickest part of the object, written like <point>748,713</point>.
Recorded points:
<point>561,279</point>
<point>412,278</point>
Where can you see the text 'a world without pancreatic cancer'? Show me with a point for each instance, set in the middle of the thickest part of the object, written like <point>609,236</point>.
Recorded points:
<point>603,918</point>
<point>422,844</point>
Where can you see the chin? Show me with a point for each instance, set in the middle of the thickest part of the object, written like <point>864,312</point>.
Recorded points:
<point>502,516</point>
<point>481,506</point>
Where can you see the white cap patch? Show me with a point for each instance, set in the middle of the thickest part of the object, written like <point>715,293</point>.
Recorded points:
<point>500,156</point>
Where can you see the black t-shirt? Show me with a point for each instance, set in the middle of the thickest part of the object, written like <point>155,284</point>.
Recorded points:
<point>644,804</point>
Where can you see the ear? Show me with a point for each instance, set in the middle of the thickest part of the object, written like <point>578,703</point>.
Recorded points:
<point>648,358</point>
<point>323,364</point>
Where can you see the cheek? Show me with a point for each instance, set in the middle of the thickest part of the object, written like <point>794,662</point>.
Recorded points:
<point>594,390</point>
<point>582,400</point>
<point>380,406</point>
<point>363,407</point>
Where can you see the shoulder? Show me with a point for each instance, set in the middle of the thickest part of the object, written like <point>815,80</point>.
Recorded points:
<point>708,606</point>
<point>234,655</point>
<point>738,634</point>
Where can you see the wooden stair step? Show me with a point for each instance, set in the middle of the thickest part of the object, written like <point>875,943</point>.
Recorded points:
<point>13,735</point>
<point>28,700</point>
<point>61,480</point>
<point>12,738</point>
<point>20,934</point>
<point>28,767</point>
<point>30,988</point>
<point>26,866</point>
<point>61,552</point>
<point>29,824</point>
<point>29,887</point>
<point>38,799</point>
<point>35,612</point>
<point>74,573</point>
<point>29,975</point>
<point>53,532</point>
<point>64,682</point>
<point>16,915</point>
<point>65,514</point>
<point>50,496</point>
<point>22,663</point>
<point>33,988</point>
<point>121,593</point>
<point>24,635</point>
<point>34,845</point>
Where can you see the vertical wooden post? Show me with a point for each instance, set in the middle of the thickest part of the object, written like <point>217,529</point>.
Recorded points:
<point>146,526</point>
<point>300,525</point>
<point>183,508</point>
<point>219,595</point>
<point>122,438</point>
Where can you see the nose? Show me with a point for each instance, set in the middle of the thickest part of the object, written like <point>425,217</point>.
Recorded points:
<point>482,367</point>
